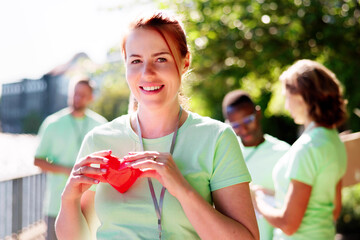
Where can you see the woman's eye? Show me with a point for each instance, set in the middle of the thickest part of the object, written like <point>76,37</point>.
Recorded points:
<point>161,59</point>
<point>135,61</point>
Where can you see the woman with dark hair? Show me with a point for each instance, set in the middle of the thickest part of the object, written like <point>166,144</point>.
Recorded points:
<point>193,180</point>
<point>308,177</point>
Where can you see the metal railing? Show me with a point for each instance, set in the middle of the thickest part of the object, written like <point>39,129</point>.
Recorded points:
<point>21,204</point>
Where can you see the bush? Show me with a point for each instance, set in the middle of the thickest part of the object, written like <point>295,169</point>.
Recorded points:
<point>349,220</point>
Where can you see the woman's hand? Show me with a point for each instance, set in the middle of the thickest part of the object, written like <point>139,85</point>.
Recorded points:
<point>259,193</point>
<point>77,217</point>
<point>257,188</point>
<point>78,183</point>
<point>160,166</point>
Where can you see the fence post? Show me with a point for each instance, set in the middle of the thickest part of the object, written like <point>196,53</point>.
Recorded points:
<point>17,205</point>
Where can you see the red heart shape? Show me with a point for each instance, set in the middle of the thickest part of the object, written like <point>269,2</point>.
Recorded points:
<point>118,174</point>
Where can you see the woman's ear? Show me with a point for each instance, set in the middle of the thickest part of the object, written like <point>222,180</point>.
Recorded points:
<point>186,63</point>
<point>258,112</point>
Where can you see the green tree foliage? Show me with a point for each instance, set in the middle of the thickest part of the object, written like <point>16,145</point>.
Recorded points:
<point>247,44</point>
<point>113,98</point>
<point>349,220</point>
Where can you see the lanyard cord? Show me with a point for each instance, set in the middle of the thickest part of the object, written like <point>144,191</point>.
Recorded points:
<point>158,206</point>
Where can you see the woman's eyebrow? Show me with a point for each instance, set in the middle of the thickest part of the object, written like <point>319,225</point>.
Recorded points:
<point>135,55</point>
<point>153,55</point>
<point>160,53</point>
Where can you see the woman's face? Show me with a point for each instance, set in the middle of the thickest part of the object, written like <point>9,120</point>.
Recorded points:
<point>151,71</point>
<point>296,105</point>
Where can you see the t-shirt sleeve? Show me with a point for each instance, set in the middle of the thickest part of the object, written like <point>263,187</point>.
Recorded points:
<point>303,166</point>
<point>229,164</point>
<point>45,136</point>
<point>86,149</point>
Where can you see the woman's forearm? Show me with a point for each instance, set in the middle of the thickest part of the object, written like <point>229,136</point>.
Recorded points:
<point>337,201</point>
<point>289,217</point>
<point>71,223</point>
<point>210,223</point>
<point>273,215</point>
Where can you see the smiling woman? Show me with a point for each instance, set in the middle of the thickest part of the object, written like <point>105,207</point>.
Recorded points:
<point>191,162</point>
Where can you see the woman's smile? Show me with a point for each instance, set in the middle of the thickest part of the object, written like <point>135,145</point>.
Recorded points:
<point>152,73</point>
<point>151,89</point>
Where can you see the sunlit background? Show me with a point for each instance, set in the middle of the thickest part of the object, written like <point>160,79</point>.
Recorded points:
<point>38,35</point>
<point>234,44</point>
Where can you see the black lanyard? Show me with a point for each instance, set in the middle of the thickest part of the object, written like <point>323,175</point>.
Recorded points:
<point>158,206</point>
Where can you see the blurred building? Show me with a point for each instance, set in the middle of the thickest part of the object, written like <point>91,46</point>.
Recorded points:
<point>25,104</point>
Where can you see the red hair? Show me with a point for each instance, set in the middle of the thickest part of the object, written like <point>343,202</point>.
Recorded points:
<point>170,29</point>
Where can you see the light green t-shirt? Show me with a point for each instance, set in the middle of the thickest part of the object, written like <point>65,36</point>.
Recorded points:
<point>60,140</point>
<point>260,161</point>
<point>207,154</point>
<point>318,159</point>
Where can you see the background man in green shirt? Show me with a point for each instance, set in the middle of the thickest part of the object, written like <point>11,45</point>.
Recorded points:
<point>261,151</point>
<point>61,135</point>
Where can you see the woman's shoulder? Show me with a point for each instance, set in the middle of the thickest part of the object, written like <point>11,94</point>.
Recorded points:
<point>320,140</point>
<point>116,126</point>
<point>198,121</point>
<point>320,136</point>
<point>206,126</point>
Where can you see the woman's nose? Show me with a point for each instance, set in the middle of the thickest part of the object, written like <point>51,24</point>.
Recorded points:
<point>148,68</point>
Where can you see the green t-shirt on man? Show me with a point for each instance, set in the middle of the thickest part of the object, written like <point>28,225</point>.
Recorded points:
<point>60,139</point>
<point>260,161</point>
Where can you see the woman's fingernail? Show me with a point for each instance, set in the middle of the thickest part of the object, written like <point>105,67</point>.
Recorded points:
<point>105,160</point>
<point>96,181</point>
<point>103,170</point>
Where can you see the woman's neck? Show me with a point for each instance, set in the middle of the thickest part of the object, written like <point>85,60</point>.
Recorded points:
<point>155,123</point>
<point>312,124</point>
